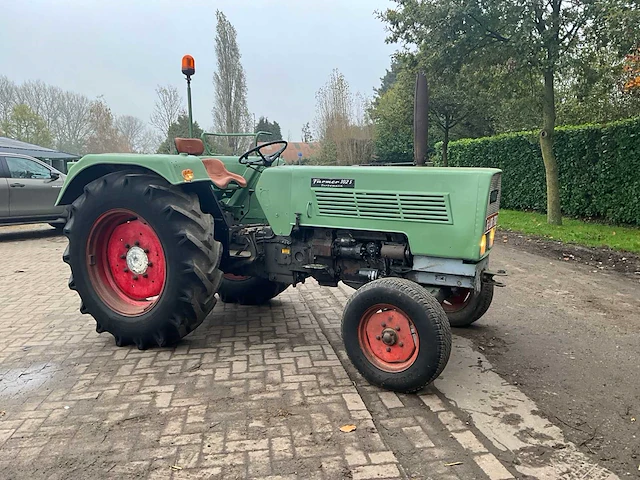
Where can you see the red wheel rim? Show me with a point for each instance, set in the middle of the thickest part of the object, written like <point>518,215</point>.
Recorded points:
<point>388,338</point>
<point>126,262</point>
<point>457,301</point>
<point>235,278</point>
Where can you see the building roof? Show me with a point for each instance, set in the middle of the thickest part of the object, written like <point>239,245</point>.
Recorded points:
<point>9,145</point>
<point>290,155</point>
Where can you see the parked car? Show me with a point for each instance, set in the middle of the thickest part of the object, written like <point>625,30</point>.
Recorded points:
<point>28,191</point>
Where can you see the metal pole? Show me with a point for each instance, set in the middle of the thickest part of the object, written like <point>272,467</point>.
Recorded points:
<point>189,106</point>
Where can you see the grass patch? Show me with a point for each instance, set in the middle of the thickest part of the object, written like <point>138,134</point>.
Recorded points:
<point>588,234</point>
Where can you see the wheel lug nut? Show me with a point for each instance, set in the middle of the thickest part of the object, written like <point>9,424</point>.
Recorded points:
<point>137,243</point>
<point>401,344</point>
<point>146,250</point>
<point>150,264</point>
<point>384,324</point>
<point>135,277</point>
<point>377,337</point>
<point>388,349</point>
<point>123,257</point>
<point>127,246</point>
<point>144,275</point>
<point>397,329</point>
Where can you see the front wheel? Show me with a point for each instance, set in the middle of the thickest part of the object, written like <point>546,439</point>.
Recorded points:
<point>396,334</point>
<point>464,307</point>
<point>248,290</point>
<point>143,258</point>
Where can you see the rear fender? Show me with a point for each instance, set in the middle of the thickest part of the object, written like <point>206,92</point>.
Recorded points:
<point>169,167</point>
<point>91,167</point>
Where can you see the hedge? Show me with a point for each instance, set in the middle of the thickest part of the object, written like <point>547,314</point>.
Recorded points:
<point>599,167</point>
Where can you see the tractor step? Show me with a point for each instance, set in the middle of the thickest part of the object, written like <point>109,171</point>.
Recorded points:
<point>240,253</point>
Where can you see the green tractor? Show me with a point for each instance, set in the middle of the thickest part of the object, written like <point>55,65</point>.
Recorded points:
<point>153,238</point>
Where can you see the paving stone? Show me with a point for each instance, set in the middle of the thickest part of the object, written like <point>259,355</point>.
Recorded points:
<point>254,392</point>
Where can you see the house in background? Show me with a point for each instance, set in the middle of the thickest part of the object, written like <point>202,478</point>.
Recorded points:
<point>56,159</point>
<point>295,151</point>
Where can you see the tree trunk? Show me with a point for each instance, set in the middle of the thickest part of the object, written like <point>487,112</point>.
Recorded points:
<point>445,148</point>
<point>554,212</point>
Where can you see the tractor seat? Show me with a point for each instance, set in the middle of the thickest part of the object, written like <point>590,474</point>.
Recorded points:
<point>220,176</point>
<point>192,146</point>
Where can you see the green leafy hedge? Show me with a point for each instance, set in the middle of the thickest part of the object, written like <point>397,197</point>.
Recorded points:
<point>599,169</point>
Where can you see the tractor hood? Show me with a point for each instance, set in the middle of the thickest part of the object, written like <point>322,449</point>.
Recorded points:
<point>442,211</point>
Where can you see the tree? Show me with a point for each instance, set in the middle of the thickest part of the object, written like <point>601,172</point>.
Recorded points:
<point>459,104</point>
<point>390,76</point>
<point>457,108</point>
<point>230,110</point>
<point>264,125</point>
<point>178,129</point>
<point>542,37</point>
<point>342,123</point>
<point>7,98</point>
<point>25,125</point>
<point>167,109</point>
<point>135,133</point>
<point>307,136</point>
<point>44,100</point>
<point>392,114</point>
<point>104,137</point>
<point>73,125</point>
<point>632,73</point>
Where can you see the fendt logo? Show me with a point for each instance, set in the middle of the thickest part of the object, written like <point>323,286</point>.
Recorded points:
<point>333,182</point>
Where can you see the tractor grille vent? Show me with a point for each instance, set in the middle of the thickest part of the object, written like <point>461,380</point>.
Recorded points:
<point>495,192</point>
<point>412,207</point>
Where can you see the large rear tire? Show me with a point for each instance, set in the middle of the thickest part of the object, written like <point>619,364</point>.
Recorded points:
<point>396,334</point>
<point>249,290</point>
<point>465,307</point>
<point>143,258</point>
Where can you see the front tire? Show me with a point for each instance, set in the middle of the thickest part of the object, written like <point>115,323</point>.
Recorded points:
<point>396,334</point>
<point>249,290</point>
<point>143,258</point>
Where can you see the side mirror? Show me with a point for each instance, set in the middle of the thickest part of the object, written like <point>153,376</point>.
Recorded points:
<point>55,176</point>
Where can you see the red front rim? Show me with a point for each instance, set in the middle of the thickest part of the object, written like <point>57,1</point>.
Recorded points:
<point>457,301</point>
<point>126,262</point>
<point>388,338</point>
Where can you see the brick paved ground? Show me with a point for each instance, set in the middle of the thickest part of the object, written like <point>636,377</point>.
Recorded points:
<point>253,393</point>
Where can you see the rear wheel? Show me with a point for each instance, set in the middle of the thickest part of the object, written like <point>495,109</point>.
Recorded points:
<point>248,290</point>
<point>396,334</point>
<point>464,307</point>
<point>143,258</point>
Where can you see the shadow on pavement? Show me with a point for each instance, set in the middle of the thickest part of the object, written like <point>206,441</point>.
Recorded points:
<point>12,233</point>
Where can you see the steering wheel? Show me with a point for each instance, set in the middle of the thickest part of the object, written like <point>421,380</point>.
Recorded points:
<point>266,160</point>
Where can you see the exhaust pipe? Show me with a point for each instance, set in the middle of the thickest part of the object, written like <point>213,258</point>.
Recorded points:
<point>421,120</point>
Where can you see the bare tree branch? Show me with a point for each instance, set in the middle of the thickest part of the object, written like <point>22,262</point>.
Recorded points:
<point>168,108</point>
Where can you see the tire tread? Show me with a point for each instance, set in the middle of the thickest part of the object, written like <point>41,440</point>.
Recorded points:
<point>192,229</point>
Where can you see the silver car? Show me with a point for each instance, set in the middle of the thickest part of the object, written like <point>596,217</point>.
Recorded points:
<point>28,191</point>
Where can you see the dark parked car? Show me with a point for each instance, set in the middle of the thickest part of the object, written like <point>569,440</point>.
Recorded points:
<point>28,191</point>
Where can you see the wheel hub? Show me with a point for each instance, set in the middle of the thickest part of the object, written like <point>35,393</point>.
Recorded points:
<point>389,338</point>
<point>137,260</point>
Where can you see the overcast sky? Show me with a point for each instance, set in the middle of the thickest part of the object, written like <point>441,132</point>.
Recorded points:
<point>123,49</point>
